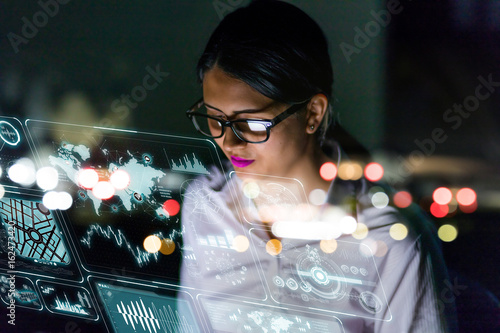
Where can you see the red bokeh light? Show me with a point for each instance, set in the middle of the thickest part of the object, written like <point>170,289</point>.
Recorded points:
<point>402,199</point>
<point>466,196</point>
<point>172,207</point>
<point>442,195</point>
<point>374,172</point>
<point>328,171</point>
<point>468,209</point>
<point>439,210</point>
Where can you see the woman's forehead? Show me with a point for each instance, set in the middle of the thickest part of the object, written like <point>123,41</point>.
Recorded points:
<point>230,95</point>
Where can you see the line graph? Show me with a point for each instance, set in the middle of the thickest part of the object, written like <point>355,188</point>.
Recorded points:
<point>141,257</point>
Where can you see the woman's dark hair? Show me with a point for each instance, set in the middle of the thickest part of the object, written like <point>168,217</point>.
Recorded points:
<point>275,48</point>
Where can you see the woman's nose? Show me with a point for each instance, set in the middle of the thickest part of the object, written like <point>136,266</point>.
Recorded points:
<point>231,141</point>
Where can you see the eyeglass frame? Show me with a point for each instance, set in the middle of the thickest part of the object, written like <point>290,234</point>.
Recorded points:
<point>268,123</point>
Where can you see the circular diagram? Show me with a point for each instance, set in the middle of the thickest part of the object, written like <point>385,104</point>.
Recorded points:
<point>323,277</point>
<point>201,201</point>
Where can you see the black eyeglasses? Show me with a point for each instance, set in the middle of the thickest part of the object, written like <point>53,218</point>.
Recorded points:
<point>248,130</point>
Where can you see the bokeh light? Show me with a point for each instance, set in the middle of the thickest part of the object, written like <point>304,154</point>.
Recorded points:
<point>57,200</point>
<point>442,195</point>
<point>167,246</point>
<point>65,200</point>
<point>241,243</point>
<point>398,231</point>
<point>469,209</point>
<point>380,200</point>
<point>103,190</point>
<point>274,247</point>
<point>328,171</point>
<point>51,200</point>
<point>23,172</point>
<point>171,207</point>
<point>2,191</point>
<point>47,178</point>
<point>368,247</point>
<point>348,225</point>
<point>1,170</point>
<point>317,197</point>
<point>438,210</point>
<point>361,231</point>
<point>152,244</point>
<point>447,233</point>
<point>374,171</point>
<point>120,179</point>
<point>466,196</point>
<point>381,248</point>
<point>88,178</point>
<point>328,245</point>
<point>350,171</point>
<point>402,199</point>
<point>251,190</point>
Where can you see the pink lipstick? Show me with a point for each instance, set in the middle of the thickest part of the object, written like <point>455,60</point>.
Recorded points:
<point>240,162</point>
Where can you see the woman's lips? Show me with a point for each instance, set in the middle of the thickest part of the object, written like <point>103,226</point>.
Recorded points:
<point>240,162</point>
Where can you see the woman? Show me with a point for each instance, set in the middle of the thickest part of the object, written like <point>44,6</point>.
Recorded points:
<point>267,86</point>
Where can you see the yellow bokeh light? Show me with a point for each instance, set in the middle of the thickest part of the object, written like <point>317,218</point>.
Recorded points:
<point>328,245</point>
<point>361,231</point>
<point>447,233</point>
<point>152,244</point>
<point>167,246</point>
<point>398,231</point>
<point>241,243</point>
<point>251,190</point>
<point>274,247</point>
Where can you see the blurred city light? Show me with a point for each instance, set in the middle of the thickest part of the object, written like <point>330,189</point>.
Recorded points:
<point>47,178</point>
<point>103,190</point>
<point>328,171</point>
<point>88,178</point>
<point>274,247</point>
<point>120,179</point>
<point>438,210</point>
<point>398,231</point>
<point>23,172</point>
<point>241,243</point>
<point>152,244</point>
<point>447,233</point>
<point>171,207</point>
<point>402,199</point>
<point>442,195</point>
<point>374,172</point>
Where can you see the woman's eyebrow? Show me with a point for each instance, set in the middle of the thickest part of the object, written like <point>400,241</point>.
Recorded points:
<point>239,111</point>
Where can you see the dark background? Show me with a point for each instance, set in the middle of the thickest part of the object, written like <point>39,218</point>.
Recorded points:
<point>394,91</point>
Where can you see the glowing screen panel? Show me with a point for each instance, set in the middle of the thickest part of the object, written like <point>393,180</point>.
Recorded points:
<point>231,316</point>
<point>36,234</point>
<point>136,310</point>
<point>339,277</point>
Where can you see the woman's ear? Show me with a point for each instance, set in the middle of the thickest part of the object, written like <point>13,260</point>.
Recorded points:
<point>316,110</point>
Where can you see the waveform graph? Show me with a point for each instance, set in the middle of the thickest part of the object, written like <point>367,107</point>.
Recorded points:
<point>189,163</point>
<point>138,310</point>
<point>36,234</point>
<point>67,300</point>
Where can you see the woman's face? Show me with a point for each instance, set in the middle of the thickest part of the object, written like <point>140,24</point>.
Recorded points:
<point>289,145</point>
